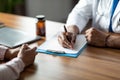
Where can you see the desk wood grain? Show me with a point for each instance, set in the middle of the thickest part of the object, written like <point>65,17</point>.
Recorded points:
<point>93,63</point>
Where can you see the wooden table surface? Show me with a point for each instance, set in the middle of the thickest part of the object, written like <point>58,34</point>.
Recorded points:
<point>93,63</point>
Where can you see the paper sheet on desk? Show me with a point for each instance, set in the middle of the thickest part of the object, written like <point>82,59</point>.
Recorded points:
<point>53,44</point>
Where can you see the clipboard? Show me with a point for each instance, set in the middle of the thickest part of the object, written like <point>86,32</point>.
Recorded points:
<point>52,47</point>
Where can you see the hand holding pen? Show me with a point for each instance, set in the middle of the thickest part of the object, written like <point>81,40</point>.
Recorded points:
<point>67,39</point>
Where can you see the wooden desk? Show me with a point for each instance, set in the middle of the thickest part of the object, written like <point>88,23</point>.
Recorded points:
<point>92,64</point>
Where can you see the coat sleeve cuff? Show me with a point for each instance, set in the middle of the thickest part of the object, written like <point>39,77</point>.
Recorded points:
<point>2,52</point>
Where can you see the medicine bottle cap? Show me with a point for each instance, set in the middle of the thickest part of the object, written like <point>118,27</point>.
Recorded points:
<point>40,17</point>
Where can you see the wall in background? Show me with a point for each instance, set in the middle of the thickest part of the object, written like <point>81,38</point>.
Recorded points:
<point>13,6</point>
<point>56,10</point>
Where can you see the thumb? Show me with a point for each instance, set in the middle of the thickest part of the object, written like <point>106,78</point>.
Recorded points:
<point>34,49</point>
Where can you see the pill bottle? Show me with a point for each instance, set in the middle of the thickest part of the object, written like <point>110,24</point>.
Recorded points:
<point>40,25</point>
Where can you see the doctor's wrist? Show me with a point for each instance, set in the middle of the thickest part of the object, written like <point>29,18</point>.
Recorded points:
<point>73,29</point>
<point>106,40</point>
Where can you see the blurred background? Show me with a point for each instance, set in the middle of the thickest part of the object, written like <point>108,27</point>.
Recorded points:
<point>55,10</point>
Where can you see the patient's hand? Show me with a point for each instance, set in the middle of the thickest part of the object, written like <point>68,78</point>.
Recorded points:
<point>27,54</point>
<point>10,54</point>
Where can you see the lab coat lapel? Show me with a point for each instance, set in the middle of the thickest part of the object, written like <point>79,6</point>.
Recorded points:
<point>117,10</point>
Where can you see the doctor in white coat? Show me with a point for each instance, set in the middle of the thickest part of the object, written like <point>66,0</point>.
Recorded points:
<point>105,28</point>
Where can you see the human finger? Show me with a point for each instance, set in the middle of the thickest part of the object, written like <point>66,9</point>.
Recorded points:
<point>23,47</point>
<point>73,39</point>
<point>63,41</point>
<point>26,46</point>
<point>34,49</point>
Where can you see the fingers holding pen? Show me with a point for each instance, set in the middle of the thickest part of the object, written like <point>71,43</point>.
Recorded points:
<point>64,41</point>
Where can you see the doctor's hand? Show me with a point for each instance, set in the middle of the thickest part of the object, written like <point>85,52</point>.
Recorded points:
<point>67,39</point>
<point>96,37</point>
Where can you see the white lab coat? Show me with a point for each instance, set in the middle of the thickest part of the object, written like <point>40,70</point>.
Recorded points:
<point>97,10</point>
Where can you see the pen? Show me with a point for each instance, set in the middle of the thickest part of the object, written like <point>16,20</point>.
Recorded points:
<point>65,28</point>
<point>55,51</point>
<point>66,32</point>
<point>67,37</point>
